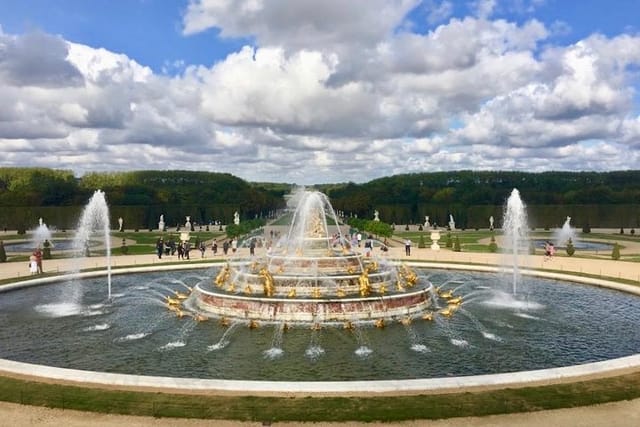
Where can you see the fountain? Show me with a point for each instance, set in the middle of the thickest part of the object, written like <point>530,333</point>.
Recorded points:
<point>95,216</point>
<point>515,232</point>
<point>561,236</point>
<point>316,310</point>
<point>40,234</point>
<point>312,277</point>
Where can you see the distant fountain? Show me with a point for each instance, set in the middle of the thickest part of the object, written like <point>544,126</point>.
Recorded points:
<point>515,232</point>
<point>561,236</point>
<point>95,216</point>
<point>40,234</point>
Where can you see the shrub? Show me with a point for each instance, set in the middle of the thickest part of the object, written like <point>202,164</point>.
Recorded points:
<point>615,253</point>
<point>633,231</point>
<point>570,248</point>
<point>586,228</point>
<point>420,227</point>
<point>456,245</point>
<point>46,249</point>
<point>421,243</point>
<point>406,227</point>
<point>449,242</point>
<point>621,230</point>
<point>3,253</point>
<point>493,246</point>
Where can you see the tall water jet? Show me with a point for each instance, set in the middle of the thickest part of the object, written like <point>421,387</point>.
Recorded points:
<point>562,235</point>
<point>40,234</point>
<point>95,216</point>
<point>515,230</point>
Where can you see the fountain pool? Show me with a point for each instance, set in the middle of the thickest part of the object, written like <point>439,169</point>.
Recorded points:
<point>552,324</point>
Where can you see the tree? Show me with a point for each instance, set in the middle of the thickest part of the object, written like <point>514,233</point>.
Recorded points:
<point>615,253</point>
<point>570,248</point>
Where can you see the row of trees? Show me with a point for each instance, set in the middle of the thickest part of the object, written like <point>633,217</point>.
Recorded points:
<point>600,199</point>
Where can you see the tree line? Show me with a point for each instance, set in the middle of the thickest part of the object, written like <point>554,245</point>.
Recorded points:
<point>471,196</point>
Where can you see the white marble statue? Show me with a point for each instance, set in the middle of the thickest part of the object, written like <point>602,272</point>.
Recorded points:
<point>491,222</point>
<point>236,218</point>
<point>427,224</point>
<point>376,215</point>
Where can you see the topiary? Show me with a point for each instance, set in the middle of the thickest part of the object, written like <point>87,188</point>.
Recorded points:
<point>3,253</point>
<point>615,253</point>
<point>586,228</point>
<point>449,242</point>
<point>621,230</point>
<point>421,243</point>
<point>570,248</point>
<point>493,246</point>
<point>456,245</point>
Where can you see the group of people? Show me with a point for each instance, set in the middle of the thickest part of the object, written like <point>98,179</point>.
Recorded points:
<point>184,248</point>
<point>35,262</point>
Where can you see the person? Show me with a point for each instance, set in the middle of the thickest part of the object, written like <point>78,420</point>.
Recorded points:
<point>384,247</point>
<point>407,247</point>
<point>234,245</point>
<point>547,250</point>
<point>214,247</point>
<point>225,247</point>
<point>252,247</point>
<point>38,255</point>
<point>187,249</point>
<point>160,247</point>
<point>33,265</point>
<point>180,251</point>
<point>359,237</point>
<point>202,248</point>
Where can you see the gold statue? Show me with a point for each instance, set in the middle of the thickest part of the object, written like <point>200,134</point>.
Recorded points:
<point>267,282</point>
<point>316,293</point>
<point>340,293</point>
<point>223,275</point>
<point>380,323</point>
<point>364,285</point>
<point>248,290</point>
<point>292,293</point>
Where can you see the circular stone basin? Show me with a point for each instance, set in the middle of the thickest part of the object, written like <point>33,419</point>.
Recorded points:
<point>547,324</point>
<point>581,245</point>
<point>58,245</point>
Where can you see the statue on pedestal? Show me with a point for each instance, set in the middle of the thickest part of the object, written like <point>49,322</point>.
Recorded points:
<point>236,218</point>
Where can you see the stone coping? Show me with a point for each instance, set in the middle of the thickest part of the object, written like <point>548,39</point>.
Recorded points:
<point>609,367</point>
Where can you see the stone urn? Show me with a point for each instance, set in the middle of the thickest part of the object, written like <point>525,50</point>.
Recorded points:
<point>435,236</point>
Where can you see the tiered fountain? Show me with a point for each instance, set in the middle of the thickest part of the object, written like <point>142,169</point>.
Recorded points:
<point>313,277</point>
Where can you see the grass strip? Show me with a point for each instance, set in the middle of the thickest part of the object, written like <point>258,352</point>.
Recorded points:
<point>357,408</point>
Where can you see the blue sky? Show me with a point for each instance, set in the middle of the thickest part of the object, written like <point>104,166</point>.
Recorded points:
<point>351,91</point>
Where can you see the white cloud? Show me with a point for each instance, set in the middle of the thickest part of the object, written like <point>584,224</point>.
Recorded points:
<point>329,92</point>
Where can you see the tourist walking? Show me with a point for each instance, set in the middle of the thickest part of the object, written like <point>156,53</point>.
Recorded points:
<point>160,247</point>
<point>202,249</point>
<point>225,247</point>
<point>214,248</point>
<point>234,245</point>
<point>180,251</point>
<point>33,265</point>
<point>407,247</point>
<point>252,247</point>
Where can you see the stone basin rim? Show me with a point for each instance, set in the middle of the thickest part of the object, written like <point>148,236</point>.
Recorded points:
<point>565,374</point>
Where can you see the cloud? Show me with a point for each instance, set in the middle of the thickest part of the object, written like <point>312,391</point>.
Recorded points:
<point>37,59</point>
<point>328,92</point>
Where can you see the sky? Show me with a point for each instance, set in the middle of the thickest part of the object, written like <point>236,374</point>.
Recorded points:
<point>320,91</point>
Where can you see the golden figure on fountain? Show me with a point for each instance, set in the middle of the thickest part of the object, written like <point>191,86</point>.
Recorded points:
<point>267,282</point>
<point>223,275</point>
<point>364,285</point>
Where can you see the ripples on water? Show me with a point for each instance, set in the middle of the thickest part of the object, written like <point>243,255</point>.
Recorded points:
<point>547,324</point>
